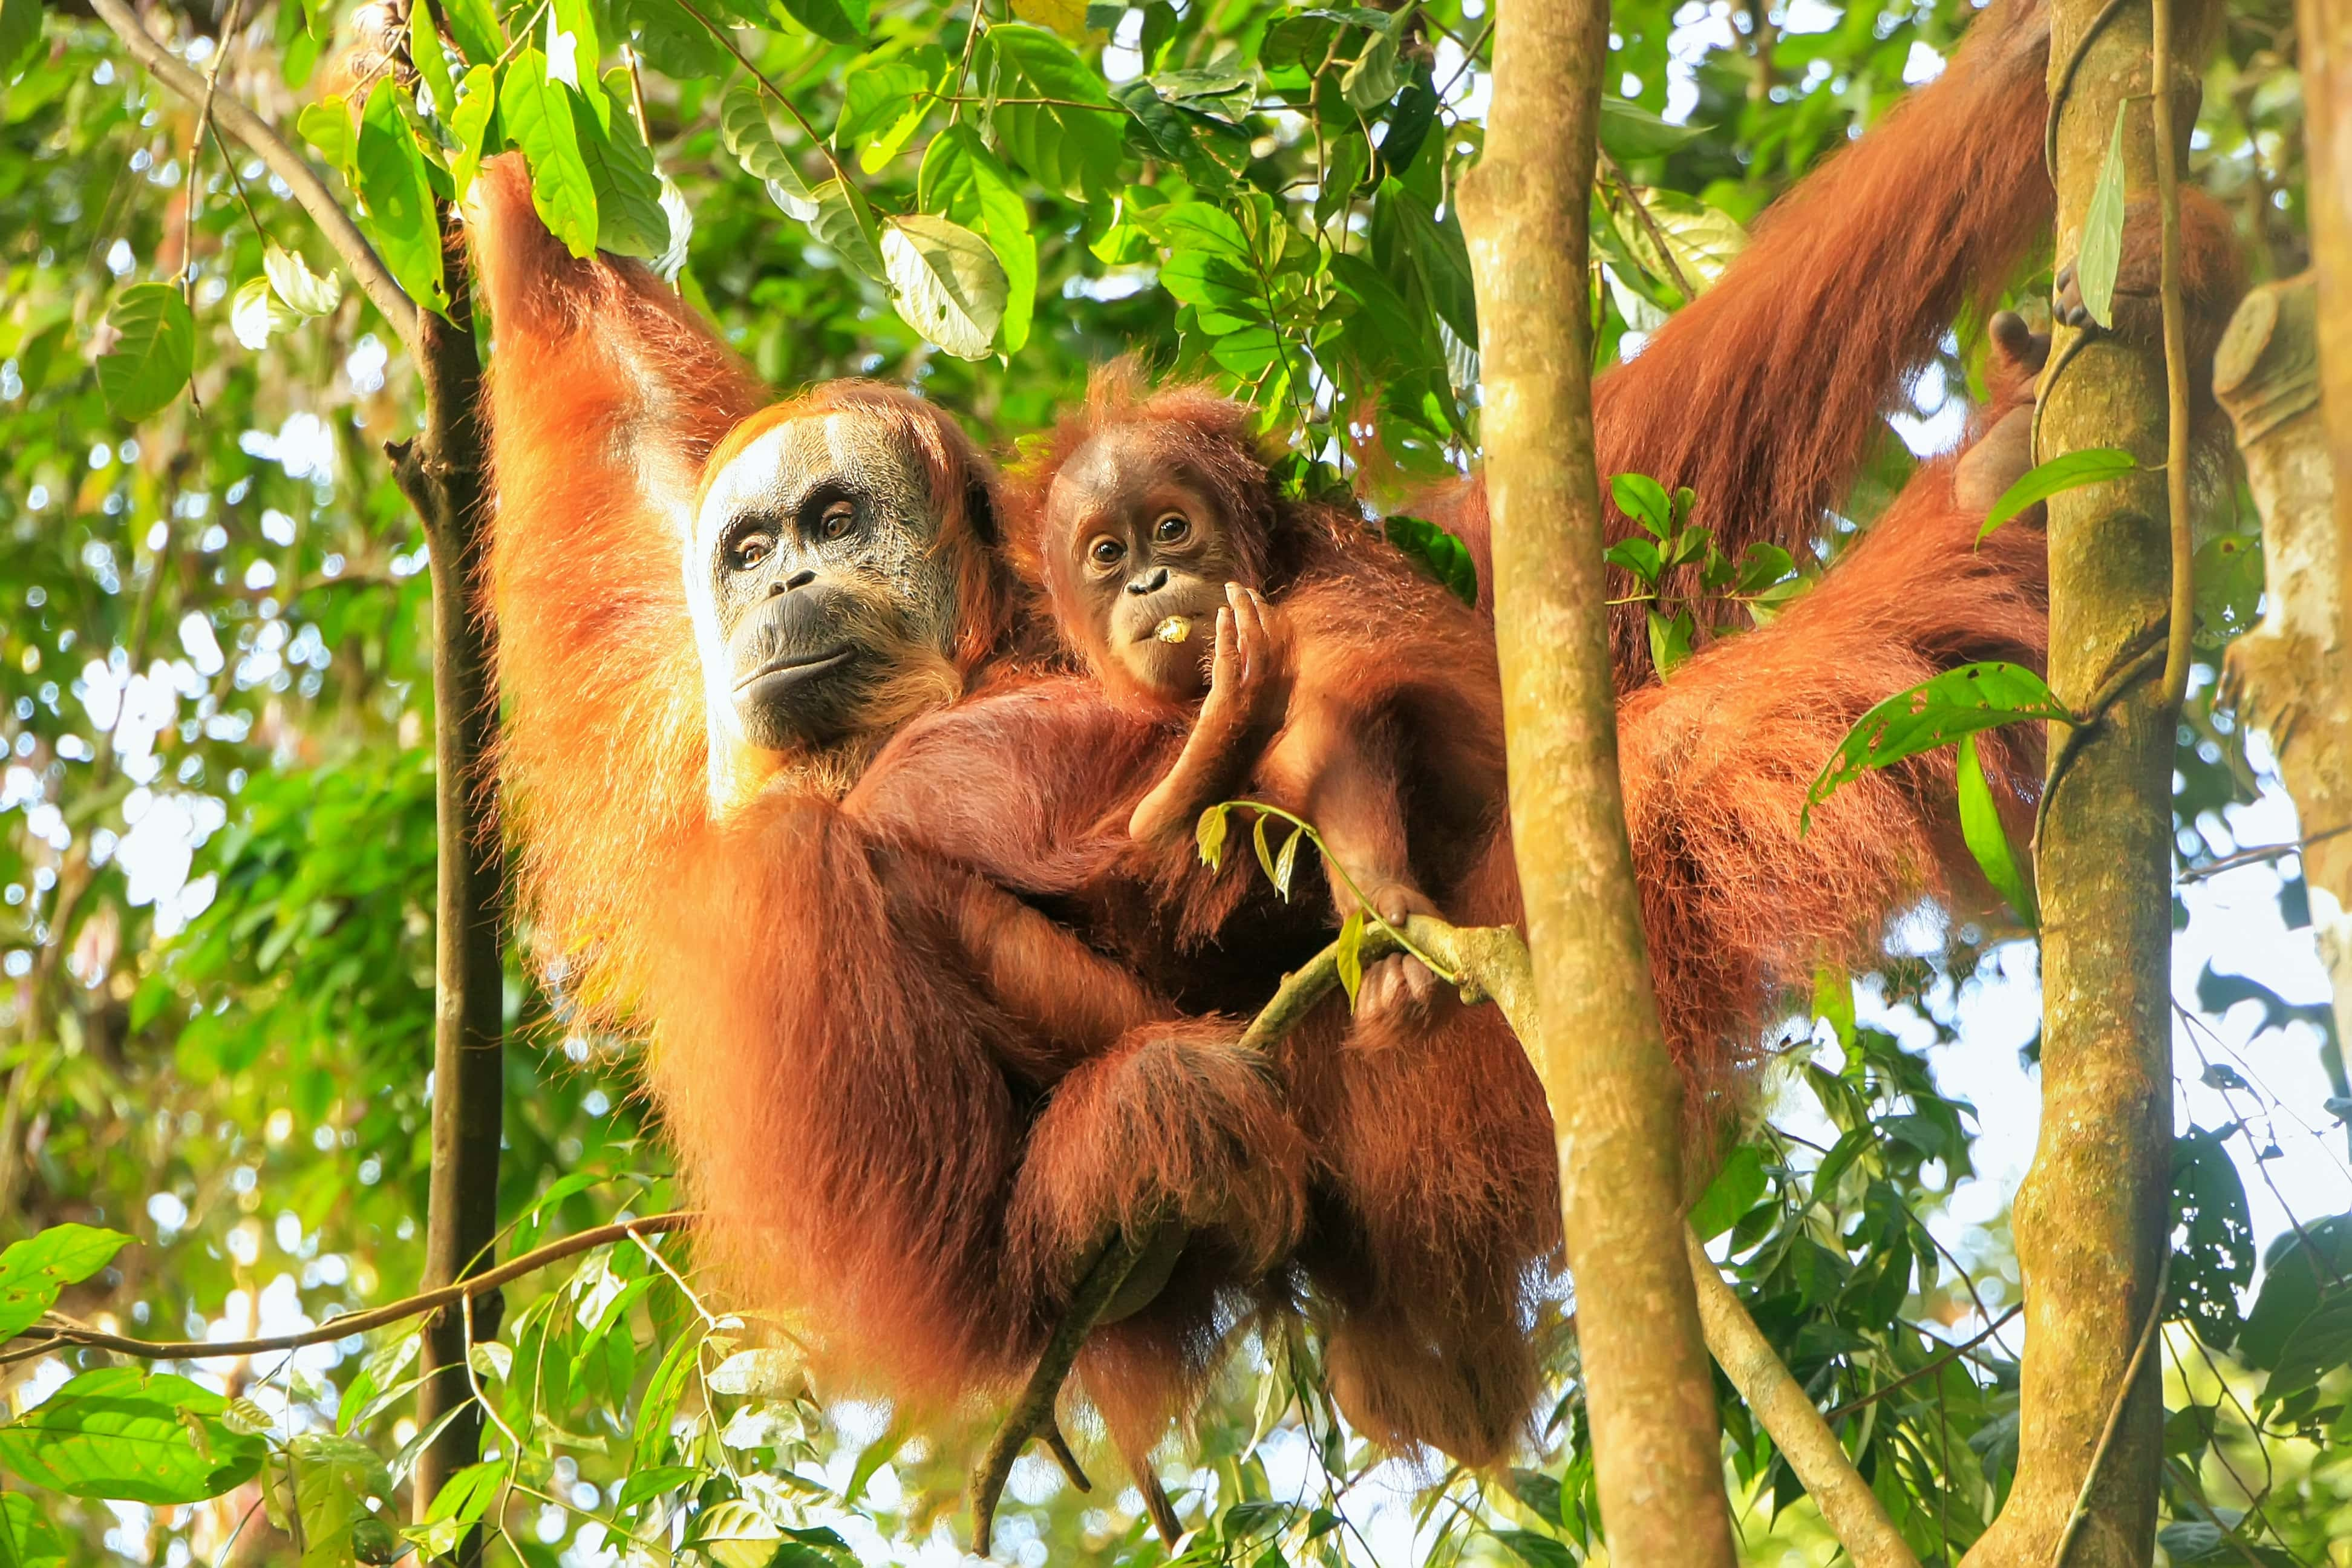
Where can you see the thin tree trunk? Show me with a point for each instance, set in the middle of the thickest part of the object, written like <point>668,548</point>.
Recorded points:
<point>445,476</point>
<point>2284,372</point>
<point>1614,1097</point>
<point>2090,1217</point>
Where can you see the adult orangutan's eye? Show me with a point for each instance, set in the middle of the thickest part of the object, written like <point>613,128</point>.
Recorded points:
<point>1106,552</point>
<point>748,548</point>
<point>839,518</point>
<point>1172,528</point>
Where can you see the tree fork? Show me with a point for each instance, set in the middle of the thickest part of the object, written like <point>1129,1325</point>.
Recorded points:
<point>2092,1217</point>
<point>1616,1101</point>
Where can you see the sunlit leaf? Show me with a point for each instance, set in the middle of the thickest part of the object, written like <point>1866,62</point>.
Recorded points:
<point>1988,838</point>
<point>469,123</point>
<point>538,115</point>
<point>327,125</point>
<point>1071,143</point>
<point>302,291</point>
<point>744,125</point>
<point>839,21</point>
<point>1068,18</point>
<point>962,179</point>
<point>32,1271</point>
<point>1349,954</point>
<point>398,199</point>
<point>1935,713</point>
<point>1209,834</point>
<point>255,312</point>
<point>945,282</point>
<point>121,1432</point>
<point>845,225</point>
<point>475,24</point>
<point>2101,250</point>
<point>629,216</point>
<point>2092,466</point>
<point>154,350</point>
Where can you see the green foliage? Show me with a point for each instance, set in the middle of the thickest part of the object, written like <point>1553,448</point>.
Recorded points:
<point>1936,712</point>
<point>2102,247</point>
<point>2073,471</point>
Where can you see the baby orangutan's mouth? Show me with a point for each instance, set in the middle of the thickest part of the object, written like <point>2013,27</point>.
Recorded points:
<point>1174,629</point>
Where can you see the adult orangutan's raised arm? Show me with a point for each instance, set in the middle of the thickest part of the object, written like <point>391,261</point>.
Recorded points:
<point>605,397</point>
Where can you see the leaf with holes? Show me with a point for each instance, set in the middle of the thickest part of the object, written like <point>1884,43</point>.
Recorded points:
<point>1987,838</point>
<point>2102,250</point>
<point>32,1271</point>
<point>2092,466</point>
<point>1934,713</point>
<point>154,350</point>
<point>398,199</point>
<point>946,281</point>
<point>962,181</point>
<point>2213,1238</point>
<point>2228,586</point>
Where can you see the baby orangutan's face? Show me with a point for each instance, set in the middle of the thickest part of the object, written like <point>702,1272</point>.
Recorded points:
<point>1147,558</point>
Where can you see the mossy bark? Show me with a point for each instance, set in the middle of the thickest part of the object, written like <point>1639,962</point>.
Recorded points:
<point>2090,1217</point>
<point>1614,1097</point>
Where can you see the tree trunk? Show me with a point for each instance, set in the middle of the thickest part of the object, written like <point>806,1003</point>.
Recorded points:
<point>2284,372</point>
<point>443,475</point>
<point>1614,1097</point>
<point>2091,1216</point>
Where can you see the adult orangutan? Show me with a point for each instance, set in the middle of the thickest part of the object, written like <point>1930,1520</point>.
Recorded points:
<point>899,1091</point>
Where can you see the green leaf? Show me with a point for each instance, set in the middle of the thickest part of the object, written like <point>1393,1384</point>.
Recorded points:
<point>332,1480</point>
<point>629,216</point>
<point>432,65</point>
<point>1349,954</point>
<point>469,123</point>
<point>1987,839</point>
<point>735,1534</point>
<point>2229,585</point>
<point>572,26</point>
<point>1644,500</point>
<point>28,1539</point>
<point>962,179</point>
<point>1735,1190</point>
<point>1285,863</point>
<point>1536,1551</point>
<point>845,226</point>
<point>1698,240</point>
<point>1671,640</point>
<point>1934,713</point>
<point>1073,149</point>
<point>946,283</point>
<point>32,1271</point>
<point>398,199</point>
<point>475,24</point>
<point>1210,266</point>
<point>2102,250</point>
<point>840,21</point>
<point>2303,1269</point>
<point>1209,834</point>
<point>654,1482</point>
<point>885,103</point>
<point>538,115</point>
<point>2092,466</point>
<point>1264,848</point>
<point>123,1434</point>
<point>20,33</point>
<point>153,354</point>
<point>1437,553</point>
<point>1068,18</point>
<point>675,44</point>
<point>1371,79</point>
<point>327,125</point>
<point>2212,1237</point>
<point>744,126</point>
<point>1629,132</point>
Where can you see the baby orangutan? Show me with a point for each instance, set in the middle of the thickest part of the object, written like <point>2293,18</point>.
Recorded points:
<point>1159,542</point>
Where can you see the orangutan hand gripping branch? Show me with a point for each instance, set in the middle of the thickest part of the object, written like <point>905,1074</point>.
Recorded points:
<point>926,1020</point>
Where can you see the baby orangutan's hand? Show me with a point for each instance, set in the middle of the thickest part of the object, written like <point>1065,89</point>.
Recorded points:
<point>1249,672</point>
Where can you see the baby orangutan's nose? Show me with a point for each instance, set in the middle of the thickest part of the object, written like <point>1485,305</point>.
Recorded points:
<point>1149,581</point>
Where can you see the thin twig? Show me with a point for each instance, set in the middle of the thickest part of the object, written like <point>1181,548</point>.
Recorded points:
<point>1649,223</point>
<point>196,152</point>
<point>2114,1414</point>
<point>1942,1360</point>
<point>1033,1410</point>
<point>309,188</point>
<point>2260,853</point>
<point>2176,373</point>
<point>52,1335</point>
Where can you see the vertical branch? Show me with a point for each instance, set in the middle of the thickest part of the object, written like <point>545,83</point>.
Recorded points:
<point>443,473</point>
<point>2092,1217</point>
<point>1615,1100</point>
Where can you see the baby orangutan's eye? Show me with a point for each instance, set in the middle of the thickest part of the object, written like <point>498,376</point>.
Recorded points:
<point>1106,552</point>
<point>1172,528</point>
